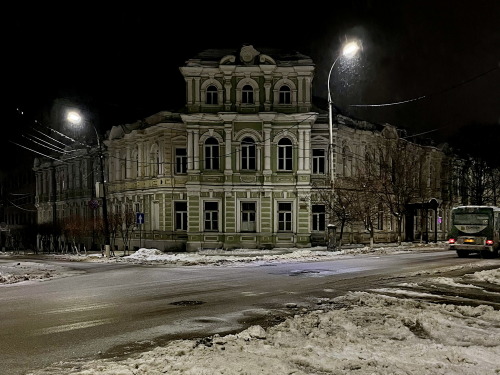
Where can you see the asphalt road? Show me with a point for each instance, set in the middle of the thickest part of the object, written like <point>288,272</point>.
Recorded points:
<point>112,310</point>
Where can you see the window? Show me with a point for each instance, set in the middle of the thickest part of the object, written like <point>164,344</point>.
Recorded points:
<point>248,154</point>
<point>285,154</point>
<point>346,162</point>
<point>318,160</point>
<point>181,215</point>
<point>285,217</point>
<point>211,215</point>
<point>212,96</point>
<point>285,95</point>
<point>135,165</point>
<point>137,207</point>
<point>180,160</point>
<point>318,217</point>
<point>123,167</point>
<point>247,94</point>
<point>248,216</point>
<point>154,161</point>
<point>155,215</point>
<point>211,154</point>
<point>380,217</point>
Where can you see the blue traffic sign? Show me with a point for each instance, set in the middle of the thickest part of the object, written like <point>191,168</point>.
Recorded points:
<point>139,218</point>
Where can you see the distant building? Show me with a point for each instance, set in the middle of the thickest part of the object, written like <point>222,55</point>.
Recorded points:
<point>242,165</point>
<point>17,209</point>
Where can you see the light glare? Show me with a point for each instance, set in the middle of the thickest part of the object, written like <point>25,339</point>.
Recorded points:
<point>74,117</point>
<point>350,49</point>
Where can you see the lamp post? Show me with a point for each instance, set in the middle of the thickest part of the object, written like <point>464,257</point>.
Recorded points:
<point>349,50</point>
<point>74,118</point>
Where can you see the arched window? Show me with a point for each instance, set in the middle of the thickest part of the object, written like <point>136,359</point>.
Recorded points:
<point>247,95</point>
<point>154,161</point>
<point>346,162</point>
<point>248,154</point>
<point>211,154</point>
<point>285,154</point>
<point>212,95</point>
<point>123,167</point>
<point>285,95</point>
<point>134,168</point>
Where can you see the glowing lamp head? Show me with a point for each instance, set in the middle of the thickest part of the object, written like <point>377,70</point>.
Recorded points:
<point>350,49</point>
<point>74,117</point>
<point>451,240</point>
<point>489,242</point>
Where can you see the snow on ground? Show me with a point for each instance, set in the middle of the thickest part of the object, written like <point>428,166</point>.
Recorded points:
<point>360,333</point>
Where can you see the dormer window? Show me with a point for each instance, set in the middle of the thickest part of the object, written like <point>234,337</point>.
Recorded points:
<point>247,95</point>
<point>212,95</point>
<point>285,95</point>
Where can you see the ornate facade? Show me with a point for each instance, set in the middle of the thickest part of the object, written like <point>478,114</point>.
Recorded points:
<point>239,168</point>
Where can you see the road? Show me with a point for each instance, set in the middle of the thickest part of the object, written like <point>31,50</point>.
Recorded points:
<point>113,309</point>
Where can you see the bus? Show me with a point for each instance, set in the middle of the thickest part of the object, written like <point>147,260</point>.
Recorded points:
<point>475,229</point>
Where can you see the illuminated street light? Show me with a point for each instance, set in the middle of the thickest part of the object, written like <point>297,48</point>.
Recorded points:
<point>349,50</point>
<point>74,118</point>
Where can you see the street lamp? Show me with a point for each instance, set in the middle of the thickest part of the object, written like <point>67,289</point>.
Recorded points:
<point>74,118</point>
<point>349,50</point>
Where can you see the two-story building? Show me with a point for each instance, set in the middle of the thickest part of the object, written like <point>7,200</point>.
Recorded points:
<point>239,167</point>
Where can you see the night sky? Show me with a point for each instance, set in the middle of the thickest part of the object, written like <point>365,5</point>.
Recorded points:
<point>122,64</point>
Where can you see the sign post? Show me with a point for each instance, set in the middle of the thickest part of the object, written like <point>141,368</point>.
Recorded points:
<point>139,220</point>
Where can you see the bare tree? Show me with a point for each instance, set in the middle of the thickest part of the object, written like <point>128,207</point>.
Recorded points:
<point>337,203</point>
<point>400,169</point>
<point>126,228</point>
<point>75,228</point>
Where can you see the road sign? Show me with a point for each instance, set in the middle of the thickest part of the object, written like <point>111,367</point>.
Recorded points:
<point>139,217</point>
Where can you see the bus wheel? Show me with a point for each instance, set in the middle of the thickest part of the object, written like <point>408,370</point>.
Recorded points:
<point>462,254</point>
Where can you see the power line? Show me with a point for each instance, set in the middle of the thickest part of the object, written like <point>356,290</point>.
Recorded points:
<point>431,94</point>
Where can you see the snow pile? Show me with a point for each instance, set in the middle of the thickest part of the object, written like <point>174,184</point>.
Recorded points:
<point>359,333</point>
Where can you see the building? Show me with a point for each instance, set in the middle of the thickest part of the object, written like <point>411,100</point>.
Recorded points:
<point>242,166</point>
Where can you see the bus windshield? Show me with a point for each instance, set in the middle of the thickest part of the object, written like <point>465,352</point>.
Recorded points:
<point>470,218</point>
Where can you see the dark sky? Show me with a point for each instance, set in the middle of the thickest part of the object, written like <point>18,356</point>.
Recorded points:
<point>122,63</point>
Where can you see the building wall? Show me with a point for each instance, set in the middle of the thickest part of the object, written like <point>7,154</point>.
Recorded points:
<point>250,112</point>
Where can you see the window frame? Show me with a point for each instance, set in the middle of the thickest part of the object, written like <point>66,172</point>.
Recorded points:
<point>244,212</point>
<point>180,161</point>
<point>246,160</point>
<point>285,95</point>
<point>211,154</point>
<point>285,155</point>
<point>318,162</point>
<point>180,216</point>
<point>247,94</point>
<point>285,216</point>
<point>212,95</point>
<point>212,219</point>
<point>318,223</point>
